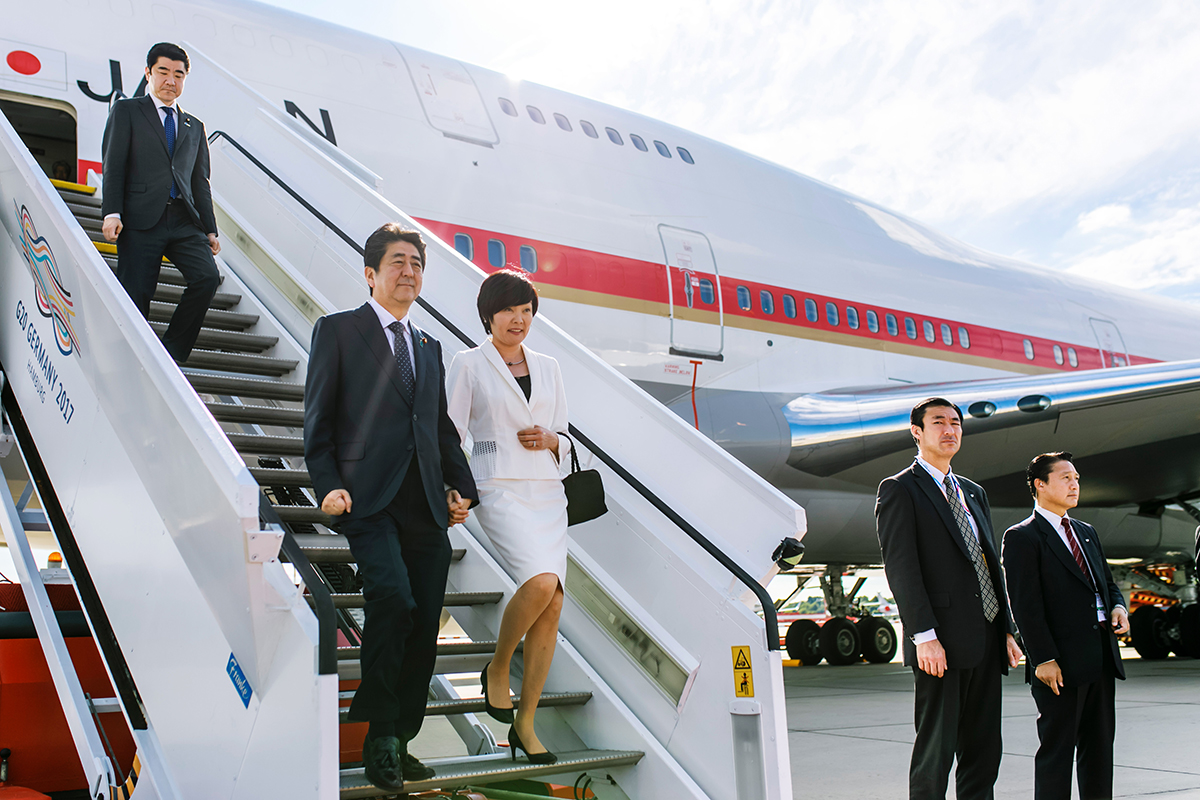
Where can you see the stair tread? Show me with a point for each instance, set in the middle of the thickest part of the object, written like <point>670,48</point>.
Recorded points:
<point>479,770</point>
<point>260,444</point>
<point>482,647</point>
<point>356,600</point>
<point>227,340</point>
<point>241,362</point>
<point>259,415</point>
<point>474,705</point>
<point>214,318</point>
<point>244,387</point>
<point>222,301</point>
<point>326,548</point>
<point>309,514</point>
<point>69,189</point>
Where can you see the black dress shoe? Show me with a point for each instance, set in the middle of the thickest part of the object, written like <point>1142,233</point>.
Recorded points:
<point>504,715</point>
<point>514,744</point>
<point>414,770</point>
<point>381,762</point>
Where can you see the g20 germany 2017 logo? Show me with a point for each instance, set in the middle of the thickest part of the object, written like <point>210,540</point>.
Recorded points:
<point>53,300</point>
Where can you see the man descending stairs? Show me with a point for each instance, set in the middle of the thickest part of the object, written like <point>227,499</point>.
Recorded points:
<point>258,399</point>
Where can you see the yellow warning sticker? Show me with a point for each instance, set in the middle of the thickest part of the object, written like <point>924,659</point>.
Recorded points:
<point>743,672</point>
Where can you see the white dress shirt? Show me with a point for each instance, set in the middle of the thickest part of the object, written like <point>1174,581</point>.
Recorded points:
<point>386,318</point>
<point>159,105</point>
<point>939,477</point>
<point>1056,522</point>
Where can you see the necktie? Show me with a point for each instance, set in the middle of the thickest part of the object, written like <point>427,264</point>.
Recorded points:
<point>991,606</point>
<point>403,362</point>
<point>1077,552</point>
<point>169,130</point>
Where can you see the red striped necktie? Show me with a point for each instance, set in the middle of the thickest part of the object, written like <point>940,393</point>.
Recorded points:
<point>1077,552</point>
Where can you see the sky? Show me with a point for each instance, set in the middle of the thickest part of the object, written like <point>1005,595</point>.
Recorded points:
<point>1064,133</point>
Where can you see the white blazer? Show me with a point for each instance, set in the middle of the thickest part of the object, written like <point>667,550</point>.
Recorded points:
<point>488,408</point>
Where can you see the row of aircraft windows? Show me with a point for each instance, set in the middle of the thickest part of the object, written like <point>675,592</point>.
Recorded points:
<point>497,253</point>
<point>589,130</point>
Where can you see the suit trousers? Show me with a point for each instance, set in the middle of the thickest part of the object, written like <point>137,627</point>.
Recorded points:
<point>403,557</point>
<point>139,259</point>
<point>1078,720</point>
<point>958,715</point>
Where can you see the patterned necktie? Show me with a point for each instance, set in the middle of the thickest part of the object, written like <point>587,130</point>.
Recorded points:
<point>403,362</point>
<point>1078,553</point>
<point>169,130</point>
<point>991,606</point>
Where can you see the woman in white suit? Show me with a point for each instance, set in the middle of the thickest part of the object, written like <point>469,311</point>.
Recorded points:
<point>507,402</point>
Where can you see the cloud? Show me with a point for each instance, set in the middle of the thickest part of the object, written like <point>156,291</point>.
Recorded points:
<point>1106,216</point>
<point>1162,256</point>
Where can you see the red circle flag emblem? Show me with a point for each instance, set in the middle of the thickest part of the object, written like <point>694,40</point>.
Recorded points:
<point>24,62</point>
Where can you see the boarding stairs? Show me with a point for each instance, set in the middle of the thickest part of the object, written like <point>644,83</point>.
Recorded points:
<point>641,698</point>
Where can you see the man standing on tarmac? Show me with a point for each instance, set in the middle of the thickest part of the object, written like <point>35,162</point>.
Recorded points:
<point>1069,610</point>
<point>935,531</point>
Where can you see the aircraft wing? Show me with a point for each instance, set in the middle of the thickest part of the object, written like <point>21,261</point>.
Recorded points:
<point>1135,431</point>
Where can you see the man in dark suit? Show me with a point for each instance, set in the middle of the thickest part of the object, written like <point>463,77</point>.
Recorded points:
<point>157,200</point>
<point>1068,609</point>
<point>380,448</point>
<point>943,567</point>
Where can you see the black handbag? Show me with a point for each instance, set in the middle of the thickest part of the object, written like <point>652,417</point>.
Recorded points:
<point>585,491</point>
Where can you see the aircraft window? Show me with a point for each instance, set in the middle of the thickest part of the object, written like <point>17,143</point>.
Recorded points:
<point>947,335</point>
<point>964,338</point>
<point>535,115</point>
<point>563,122</point>
<point>1072,358</point>
<point>893,328</point>
<point>872,322</point>
<point>789,306</point>
<point>831,313</point>
<point>910,328</point>
<point>507,107</point>
<point>589,128</point>
<point>639,142</point>
<point>1058,356</point>
<point>351,64</point>
<point>767,301</point>
<point>662,149</point>
<point>810,309</point>
<point>496,253</point>
<point>707,295</point>
<point>685,155</point>
<point>613,136</point>
<point>852,317</point>
<point>464,245</point>
<point>528,258</point>
<point>928,326</point>
<point>1028,349</point>
<point>743,295</point>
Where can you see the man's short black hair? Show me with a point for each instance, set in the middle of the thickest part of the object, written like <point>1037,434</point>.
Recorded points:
<point>917,417</point>
<point>1039,469</point>
<point>169,51</point>
<point>383,238</point>
<point>504,289</point>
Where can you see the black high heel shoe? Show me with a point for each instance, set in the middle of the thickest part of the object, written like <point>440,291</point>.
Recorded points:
<point>514,744</point>
<point>499,714</point>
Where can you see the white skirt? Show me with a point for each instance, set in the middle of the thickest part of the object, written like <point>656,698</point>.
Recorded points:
<point>527,522</point>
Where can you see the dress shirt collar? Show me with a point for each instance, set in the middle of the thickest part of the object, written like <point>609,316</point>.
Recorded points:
<point>938,476</point>
<point>386,318</point>
<point>159,104</point>
<point>1054,519</point>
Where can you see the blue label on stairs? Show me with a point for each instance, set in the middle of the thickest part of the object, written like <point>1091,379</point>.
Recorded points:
<point>239,680</point>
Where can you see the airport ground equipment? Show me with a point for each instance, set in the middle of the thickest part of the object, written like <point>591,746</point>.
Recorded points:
<point>181,542</point>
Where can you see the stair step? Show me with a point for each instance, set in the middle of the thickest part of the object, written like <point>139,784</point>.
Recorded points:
<point>245,387</point>
<point>258,415</point>
<point>480,648</point>
<point>452,599</point>
<point>215,318</point>
<point>241,362</point>
<point>280,477</point>
<point>267,445</point>
<point>474,705</point>
<point>481,770</point>
<point>166,293</point>
<point>351,669</point>
<point>307,514</point>
<point>327,548</point>
<point>227,340</point>
<point>82,211</point>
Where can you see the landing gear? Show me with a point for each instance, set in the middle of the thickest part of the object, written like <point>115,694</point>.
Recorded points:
<point>1148,631</point>
<point>839,642</point>
<point>878,639</point>
<point>803,642</point>
<point>1189,631</point>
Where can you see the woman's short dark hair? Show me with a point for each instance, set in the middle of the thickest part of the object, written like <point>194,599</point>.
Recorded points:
<point>169,51</point>
<point>1039,469</point>
<point>383,238</point>
<point>504,289</point>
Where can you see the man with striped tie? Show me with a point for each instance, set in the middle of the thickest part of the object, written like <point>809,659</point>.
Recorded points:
<point>1069,611</point>
<point>943,566</point>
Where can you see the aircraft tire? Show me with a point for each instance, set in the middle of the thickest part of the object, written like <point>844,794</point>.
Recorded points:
<point>1147,629</point>
<point>1189,631</point>
<point>803,642</point>
<point>839,642</point>
<point>878,639</point>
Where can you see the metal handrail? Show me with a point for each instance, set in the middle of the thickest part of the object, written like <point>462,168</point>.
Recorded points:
<point>770,618</point>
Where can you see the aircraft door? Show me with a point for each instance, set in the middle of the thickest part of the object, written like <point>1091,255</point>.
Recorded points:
<point>450,97</point>
<point>1112,346</point>
<point>693,294</point>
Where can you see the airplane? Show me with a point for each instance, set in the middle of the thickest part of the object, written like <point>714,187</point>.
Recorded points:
<point>792,322</point>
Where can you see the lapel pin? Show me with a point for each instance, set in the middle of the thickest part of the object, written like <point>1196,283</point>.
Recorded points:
<point>422,341</point>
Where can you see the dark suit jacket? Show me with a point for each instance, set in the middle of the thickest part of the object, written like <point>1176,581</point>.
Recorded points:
<point>138,171</point>
<point>1052,602</point>
<point>360,431</point>
<point>929,570</point>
